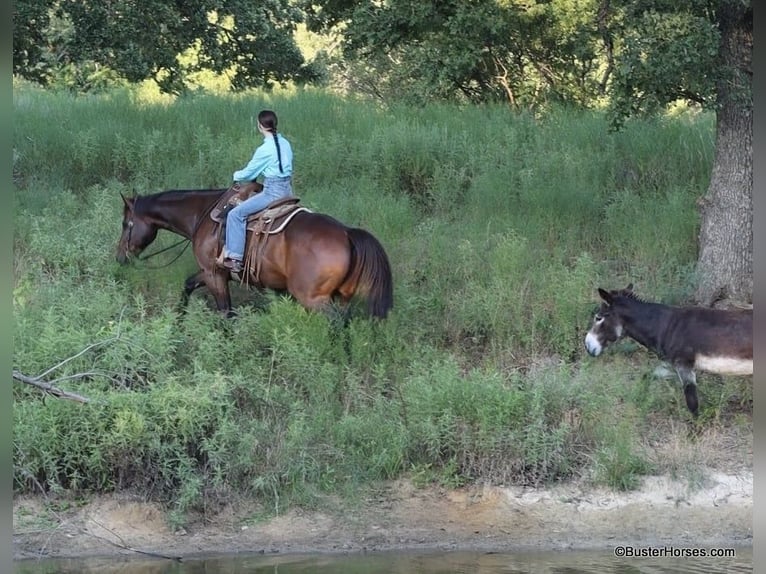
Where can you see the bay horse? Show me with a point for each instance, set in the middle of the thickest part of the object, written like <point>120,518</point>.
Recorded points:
<point>316,259</point>
<point>711,340</point>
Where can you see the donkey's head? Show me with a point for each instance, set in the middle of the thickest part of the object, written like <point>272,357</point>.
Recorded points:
<point>608,324</point>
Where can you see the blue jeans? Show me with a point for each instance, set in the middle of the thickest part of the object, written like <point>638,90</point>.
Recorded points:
<point>236,222</point>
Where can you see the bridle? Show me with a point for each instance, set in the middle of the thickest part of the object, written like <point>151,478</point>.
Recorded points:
<point>142,257</point>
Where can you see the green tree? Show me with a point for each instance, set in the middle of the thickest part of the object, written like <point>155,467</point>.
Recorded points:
<point>523,52</point>
<point>700,51</point>
<point>643,54</point>
<point>250,41</point>
<point>31,19</point>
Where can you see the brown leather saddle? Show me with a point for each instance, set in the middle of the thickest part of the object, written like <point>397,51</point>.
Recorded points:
<point>261,224</point>
<point>235,195</point>
<point>239,193</point>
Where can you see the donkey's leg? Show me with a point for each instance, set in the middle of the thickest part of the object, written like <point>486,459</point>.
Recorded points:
<point>689,381</point>
<point>662,371</point>
<point>193,282</point>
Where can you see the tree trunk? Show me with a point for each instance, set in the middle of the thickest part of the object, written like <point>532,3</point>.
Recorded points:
<point>725,264</point>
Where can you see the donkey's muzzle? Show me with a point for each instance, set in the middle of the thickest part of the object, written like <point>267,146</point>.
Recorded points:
<point>592,345</point>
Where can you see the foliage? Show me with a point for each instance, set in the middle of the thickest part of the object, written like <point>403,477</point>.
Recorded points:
<point>479,51</point>
<point>668,52</point>
<point>618,465</point>
<point>499,226</point>
<point>252,43</point>
<point>637,57</point>
<point>31,20</point>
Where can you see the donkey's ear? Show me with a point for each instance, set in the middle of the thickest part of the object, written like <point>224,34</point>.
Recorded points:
<point>605,295</point>
<point>629,287</point>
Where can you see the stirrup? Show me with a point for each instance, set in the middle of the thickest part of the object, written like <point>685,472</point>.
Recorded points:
<point>233,265</point>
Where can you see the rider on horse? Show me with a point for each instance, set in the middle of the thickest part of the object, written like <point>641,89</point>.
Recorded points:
<point>274,160</point>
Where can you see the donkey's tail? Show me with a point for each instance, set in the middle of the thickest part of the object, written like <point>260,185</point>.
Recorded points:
<point>370,273</point>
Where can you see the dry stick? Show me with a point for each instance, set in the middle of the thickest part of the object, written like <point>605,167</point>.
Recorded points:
<point>85,350</point>
<point>60,520</point>
<point>28,475</point>
<point>49,388</point>
<point>123,545</point>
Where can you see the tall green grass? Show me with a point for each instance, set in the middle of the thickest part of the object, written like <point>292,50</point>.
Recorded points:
<point>499,227</point>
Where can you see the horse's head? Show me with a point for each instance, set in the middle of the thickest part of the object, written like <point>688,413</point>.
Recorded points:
<point>137,231</point>
<point>608,323</point>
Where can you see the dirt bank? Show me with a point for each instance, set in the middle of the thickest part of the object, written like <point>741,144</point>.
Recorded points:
<point>401,516</point>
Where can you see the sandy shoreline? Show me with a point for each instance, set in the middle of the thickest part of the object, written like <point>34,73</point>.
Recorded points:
<point>402,517</point>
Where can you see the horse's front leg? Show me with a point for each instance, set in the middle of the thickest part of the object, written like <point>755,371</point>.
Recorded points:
<point>689,381</point>
<point>217,282</point>
<point>193,282</point>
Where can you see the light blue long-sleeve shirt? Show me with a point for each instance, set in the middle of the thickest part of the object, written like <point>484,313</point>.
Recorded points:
<point>265,162</point>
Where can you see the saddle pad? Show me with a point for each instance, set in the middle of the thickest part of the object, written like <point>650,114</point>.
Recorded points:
<point>276,209</point>
<point>267,212</point>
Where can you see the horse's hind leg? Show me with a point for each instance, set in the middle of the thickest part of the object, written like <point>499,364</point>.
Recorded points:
<point>339,316</point>
<point>689,381</point>
<point>336,310</point>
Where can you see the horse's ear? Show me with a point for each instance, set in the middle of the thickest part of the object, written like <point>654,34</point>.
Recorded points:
<point>629,287</point>
<point>128,201</point>
<point>605,295</point>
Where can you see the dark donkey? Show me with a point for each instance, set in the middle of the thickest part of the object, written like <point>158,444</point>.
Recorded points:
<point>315,258</point>
<point>713,340</point>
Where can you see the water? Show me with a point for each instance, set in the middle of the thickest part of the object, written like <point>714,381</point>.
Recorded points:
<point>569,562</point>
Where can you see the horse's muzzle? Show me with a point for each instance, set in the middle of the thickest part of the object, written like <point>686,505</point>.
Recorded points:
<point>123,256</point>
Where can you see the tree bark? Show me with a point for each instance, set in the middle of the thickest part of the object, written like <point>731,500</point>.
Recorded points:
<point>725,261</point>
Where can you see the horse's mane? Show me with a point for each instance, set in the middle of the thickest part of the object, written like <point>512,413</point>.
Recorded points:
<point>167,192</point>
<point>140,201</point>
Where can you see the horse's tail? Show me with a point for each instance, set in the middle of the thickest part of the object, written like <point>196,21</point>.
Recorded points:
<point>370,272</point>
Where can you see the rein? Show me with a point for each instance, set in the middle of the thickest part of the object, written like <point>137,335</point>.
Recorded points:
<point>143,257</point>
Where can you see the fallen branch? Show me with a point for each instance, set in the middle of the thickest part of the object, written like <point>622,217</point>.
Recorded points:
<point>49,388</point>
<point>85,350</point>
<point>124,546</point>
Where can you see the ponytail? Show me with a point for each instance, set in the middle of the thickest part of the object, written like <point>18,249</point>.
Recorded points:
<point>279,153</point>
<point>268,120</point>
